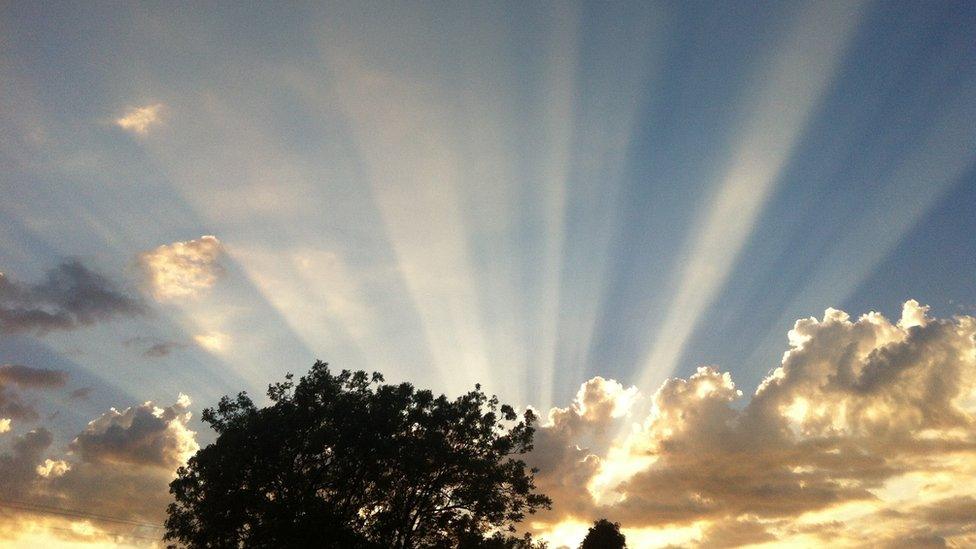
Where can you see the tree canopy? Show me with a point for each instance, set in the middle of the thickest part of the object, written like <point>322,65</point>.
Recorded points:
<point>604,535</point>
<point>344,460</point>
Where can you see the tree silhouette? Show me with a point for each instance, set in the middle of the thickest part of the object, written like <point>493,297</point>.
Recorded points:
<point>604,535</point>
<point>343,460</point>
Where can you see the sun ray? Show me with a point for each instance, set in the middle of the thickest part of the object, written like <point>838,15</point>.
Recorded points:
<point>790,88</point>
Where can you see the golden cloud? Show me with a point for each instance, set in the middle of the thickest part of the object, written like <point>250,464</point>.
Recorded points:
<point>865,434</point>
<point>140,119</point>
<point>182,269</point>
<point>111,488</point>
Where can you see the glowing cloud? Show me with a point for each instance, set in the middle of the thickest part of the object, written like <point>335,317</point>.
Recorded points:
<point>53,468</point>
<point>182,269</point>
<point>866,420</point>
<point>120,453</point>
<point>139,119</point>
<point>212,341</point>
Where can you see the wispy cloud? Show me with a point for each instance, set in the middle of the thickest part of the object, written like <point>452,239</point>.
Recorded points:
<point>154,347</point>
<point>140,119</point>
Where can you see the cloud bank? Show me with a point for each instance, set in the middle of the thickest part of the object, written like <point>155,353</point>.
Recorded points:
<point>118,468</point>
<point>182,269</point>
<point>71,296</point>
<point>865,435</point>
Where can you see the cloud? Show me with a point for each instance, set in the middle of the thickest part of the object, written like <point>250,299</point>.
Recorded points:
<point>26,376</point>
<point>140,119</point>
<point>144,435</point>
<point>12,406</point>
<point>182,269</point>
<point>569,445</point>
<point>152,347</point>
<point>866,432</point>
<point>18,469</point>
<point>53,468</point>
<point>81,393</point>
<point>120,467</point>
<point>71,296</point>
<point>212,341</point>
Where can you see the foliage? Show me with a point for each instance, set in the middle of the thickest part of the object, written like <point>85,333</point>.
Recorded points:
<point>604,535</point>
<point>344,460</point>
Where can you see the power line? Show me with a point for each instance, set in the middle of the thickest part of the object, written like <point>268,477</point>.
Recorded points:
<point>74,513</point>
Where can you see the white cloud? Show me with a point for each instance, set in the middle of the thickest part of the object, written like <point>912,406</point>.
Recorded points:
<point>140,119</point>
<point>213,341</point>
<point>182,269</point>
<point>53,468</point>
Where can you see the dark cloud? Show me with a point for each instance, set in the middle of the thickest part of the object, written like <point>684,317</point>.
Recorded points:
<point>81,393</point>
<point>154,348</point>
<point>139,435</point>
<point>70,296</point>
<point>18,469</point>
<point>12,404</point>
<point>120,466</point>
<point>950,511</point>
<point>735,533</point>
<point>26,376</point>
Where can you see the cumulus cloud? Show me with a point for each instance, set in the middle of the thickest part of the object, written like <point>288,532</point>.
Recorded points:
<point>18,468</point>
<point>140,119</point>
<point>864,434</point>
<point>12,405</point>
<point>570,444</point>
<point>119,466</point>
<point>71,296</point>
<point>182,269</point>
<point>53,468</point>
<point>143,435</point>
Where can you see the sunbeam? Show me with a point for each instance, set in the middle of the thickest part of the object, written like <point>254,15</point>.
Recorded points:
<point>634,224</point>
<point>771,123</point>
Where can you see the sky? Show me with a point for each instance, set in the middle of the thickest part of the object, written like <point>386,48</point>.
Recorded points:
<point>608,212</point>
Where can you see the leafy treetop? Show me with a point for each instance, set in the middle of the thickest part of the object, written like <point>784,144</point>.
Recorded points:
<point>344,460</point>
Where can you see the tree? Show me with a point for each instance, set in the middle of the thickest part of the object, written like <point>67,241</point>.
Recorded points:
<point>604,535</point>
<point>344,460</point>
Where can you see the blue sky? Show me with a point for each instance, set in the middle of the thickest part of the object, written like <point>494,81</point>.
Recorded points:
<point>522,196</point>
<point>197,198</point>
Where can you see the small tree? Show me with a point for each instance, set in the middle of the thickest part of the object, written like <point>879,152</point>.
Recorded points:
<point>604,535</point>
<point>343,460</point>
